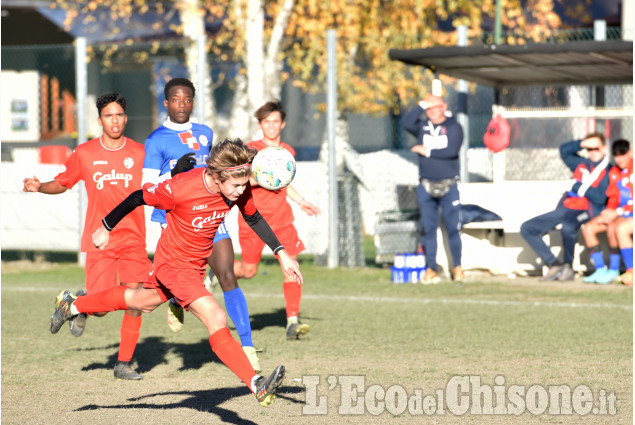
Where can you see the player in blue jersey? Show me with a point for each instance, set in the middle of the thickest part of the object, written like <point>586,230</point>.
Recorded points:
<point>177,146</point>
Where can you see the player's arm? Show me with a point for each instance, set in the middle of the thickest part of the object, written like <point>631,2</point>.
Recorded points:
<point>305,205</point>
<point>102,234</point>
<point>51,188</point>
<point>260,226</point>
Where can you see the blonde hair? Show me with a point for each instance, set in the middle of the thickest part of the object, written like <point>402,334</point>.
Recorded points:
<point>230,158</point>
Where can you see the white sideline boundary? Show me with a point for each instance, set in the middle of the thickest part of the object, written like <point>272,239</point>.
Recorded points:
<point>448,301</point>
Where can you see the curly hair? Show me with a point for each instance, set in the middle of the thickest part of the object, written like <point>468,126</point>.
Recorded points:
<point>107,98</point>
<point>230,158</point>
<point>175,82</point>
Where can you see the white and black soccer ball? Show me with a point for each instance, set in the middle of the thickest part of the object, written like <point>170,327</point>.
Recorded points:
<point>273,168</point>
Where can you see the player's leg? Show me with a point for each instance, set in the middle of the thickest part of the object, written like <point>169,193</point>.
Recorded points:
<point>590,230</point>
<point>292,290</point>
<point>134,267</point>
<point>113,299</point>
<point>175,313</point>
<point>221,262</point>
<point>451,210</point>
<point>101,273</point>
<point>230,352</point>
<point>624,233</point>
<point>608,274</point>
<point>429,213</point>
<point>534,229</point>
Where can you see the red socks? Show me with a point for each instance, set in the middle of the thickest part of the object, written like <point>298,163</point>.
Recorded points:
<point>129,336</point>
<point>104,301</point>
<point>231,353</point>
<point>292,295</point>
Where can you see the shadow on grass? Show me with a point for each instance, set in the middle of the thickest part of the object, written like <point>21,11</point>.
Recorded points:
<point>152,351</point>
<point>202,401</point>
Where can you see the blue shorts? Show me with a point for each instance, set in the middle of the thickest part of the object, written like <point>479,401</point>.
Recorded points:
<point>221,233</point>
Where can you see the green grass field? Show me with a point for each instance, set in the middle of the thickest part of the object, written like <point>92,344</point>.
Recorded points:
<point>397,340</point>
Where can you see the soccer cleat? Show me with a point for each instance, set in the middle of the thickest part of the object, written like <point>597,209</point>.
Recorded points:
<point>626,278</point>
<point>592,278</point>
<point>553,273</point>
<point>123,370</point>
<point>458,274</point>
<point>430,277</point>
<point>567,273</point>
<point>266,388</point>
<point>607,276</point>
<point>176,316</point>
<point>295,330</point>
<point>78,323</point>
<point>62,311</point>
<point>253,358</point>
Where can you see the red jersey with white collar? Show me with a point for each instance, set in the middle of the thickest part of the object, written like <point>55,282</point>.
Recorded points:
<point>110,175</point>
<point>272,204</point>
<point>194,212</point>
<point>620,190</point>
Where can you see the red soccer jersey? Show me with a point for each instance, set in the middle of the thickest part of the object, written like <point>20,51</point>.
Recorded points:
<point>620,190</point>
<point>272,204</point>
<point>194,213</point>
<point>110,176</point>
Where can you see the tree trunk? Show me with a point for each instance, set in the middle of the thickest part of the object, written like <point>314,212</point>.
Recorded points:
<point>194,28</point>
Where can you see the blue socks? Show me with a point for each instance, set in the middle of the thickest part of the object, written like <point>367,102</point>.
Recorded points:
<point>614,261</point>
<point>236,306</point>
<point>598,259</point>
<point>627,256</point>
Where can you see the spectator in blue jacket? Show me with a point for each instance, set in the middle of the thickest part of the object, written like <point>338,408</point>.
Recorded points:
<point>586,199</point>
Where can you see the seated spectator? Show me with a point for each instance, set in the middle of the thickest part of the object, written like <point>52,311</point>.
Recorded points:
<point>586,199</point>
<point>619,210</point>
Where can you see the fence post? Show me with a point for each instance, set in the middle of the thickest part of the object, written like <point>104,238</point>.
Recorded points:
<point>81,87</point>
<point>331,121</point>
<point>462,116</point>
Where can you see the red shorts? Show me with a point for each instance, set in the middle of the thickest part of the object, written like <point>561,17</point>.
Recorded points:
<point>185,283</point>
<point>251,245</point>
<point>130,264</point>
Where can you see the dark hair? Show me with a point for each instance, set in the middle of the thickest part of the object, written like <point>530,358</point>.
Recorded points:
<point>269,107</point>
<point>598,135</point>
<point>620,147</point>
<point>227,154</point>
<point>174,82</point>
<point>107,98</point>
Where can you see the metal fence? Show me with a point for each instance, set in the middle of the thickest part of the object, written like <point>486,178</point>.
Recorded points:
<point>139,71</point>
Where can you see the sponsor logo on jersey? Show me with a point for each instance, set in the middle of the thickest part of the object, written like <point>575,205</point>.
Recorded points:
<point>113,177</point>
<point>188,139</point>
<point>199,222</point>
<point>152,189</point>
<point>199,207</point>
<point>128,162</point>
<point>100,162</point>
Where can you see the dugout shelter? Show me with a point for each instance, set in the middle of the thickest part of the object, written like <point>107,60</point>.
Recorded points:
<point>499,247</point>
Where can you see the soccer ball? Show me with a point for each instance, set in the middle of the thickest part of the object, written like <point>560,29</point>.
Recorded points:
<point>273,168</point>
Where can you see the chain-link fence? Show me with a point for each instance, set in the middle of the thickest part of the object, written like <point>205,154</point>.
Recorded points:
<point>139,72</point>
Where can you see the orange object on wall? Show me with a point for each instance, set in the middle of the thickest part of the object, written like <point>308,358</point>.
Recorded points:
<point>54,154</point>
<point>496,136</point>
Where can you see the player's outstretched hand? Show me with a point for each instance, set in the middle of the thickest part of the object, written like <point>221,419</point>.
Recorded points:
<point>290,266</point>
<point>309,208</point>
<point>184,163</point>
<point>101,237</point>
<point>31,185</point>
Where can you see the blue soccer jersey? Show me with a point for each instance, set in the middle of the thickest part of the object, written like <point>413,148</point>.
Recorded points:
<point>171,141</point>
